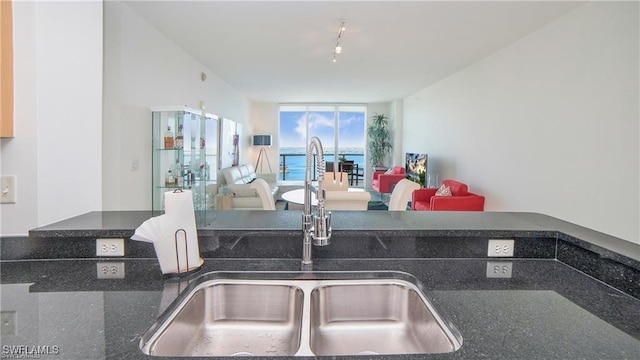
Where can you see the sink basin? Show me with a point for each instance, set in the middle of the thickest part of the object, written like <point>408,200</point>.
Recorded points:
<point>301,314</point>
<point>232,319</point>
<point>378,318</point>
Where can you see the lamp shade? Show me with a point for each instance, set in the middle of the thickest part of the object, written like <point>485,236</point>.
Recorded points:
<point>261,140</point>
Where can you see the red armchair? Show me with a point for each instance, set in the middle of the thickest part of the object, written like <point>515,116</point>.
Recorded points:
<point>384,182</point>
<point>460,200</point>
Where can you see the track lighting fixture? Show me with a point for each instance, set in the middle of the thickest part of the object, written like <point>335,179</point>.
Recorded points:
<point>338,49</point>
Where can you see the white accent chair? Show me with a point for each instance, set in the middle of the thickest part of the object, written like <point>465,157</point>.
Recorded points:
<point>264,192</point>
<point>346,200</point>
<point>401,194</point>
<point>237,181</point>
<point>336,181</point>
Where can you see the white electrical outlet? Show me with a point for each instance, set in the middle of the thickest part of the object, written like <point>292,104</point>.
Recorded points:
<point>110,270</point>
<point>109,247</point>
<point>499,269</point>
<point>8,189</point>
<point>500,248</point>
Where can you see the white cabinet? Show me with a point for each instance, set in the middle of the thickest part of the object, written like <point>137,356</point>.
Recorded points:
<point>190,163</point>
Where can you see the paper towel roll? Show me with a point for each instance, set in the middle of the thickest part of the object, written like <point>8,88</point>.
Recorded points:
<point>174,234</point>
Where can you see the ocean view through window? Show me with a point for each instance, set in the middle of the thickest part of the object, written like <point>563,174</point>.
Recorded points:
<point>340,127</point>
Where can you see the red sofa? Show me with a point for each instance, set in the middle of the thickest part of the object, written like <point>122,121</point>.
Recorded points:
<point>384,182</point>
<point>461,199</point>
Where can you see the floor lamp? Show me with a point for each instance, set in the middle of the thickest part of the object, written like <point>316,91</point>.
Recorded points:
<point>264,140</point>
<point>263,151</point>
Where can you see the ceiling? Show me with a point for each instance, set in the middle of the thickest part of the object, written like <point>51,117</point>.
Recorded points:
<point>281,51</point>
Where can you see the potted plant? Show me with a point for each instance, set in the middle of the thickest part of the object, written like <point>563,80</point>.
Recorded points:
<point>379,135</point>
<point>420,179</point>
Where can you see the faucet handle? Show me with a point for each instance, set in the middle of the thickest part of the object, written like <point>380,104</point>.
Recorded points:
<point>322,228</point>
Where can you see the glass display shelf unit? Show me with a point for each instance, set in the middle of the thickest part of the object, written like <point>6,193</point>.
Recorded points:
<point>185,154</point>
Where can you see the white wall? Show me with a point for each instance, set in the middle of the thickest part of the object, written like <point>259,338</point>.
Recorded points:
<point>142,69</point>
<point>394,111</point>
<point>396,118</point>
<point>58,95</point>
<point>264,121</point>
<point>549,124</point>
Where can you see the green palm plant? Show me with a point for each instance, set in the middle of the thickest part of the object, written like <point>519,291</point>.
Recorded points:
<point>379,135</point>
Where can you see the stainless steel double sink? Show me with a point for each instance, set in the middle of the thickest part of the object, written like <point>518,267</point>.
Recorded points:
<point>301,314</point>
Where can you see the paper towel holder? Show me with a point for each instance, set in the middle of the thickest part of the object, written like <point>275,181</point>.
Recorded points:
<point>188,270</point>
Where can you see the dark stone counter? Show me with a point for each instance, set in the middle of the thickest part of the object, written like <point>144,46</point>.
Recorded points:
<point>569,293</point>
<point>546,310</point>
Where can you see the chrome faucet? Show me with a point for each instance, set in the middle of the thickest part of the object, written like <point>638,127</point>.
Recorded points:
<point>315,227</point>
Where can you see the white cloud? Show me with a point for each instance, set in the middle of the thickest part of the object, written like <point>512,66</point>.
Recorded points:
<point>301,128</point>
<point>318,121</point>
<point>345,122</point>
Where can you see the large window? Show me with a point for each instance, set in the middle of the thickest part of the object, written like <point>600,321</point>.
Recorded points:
<point>339,127</point>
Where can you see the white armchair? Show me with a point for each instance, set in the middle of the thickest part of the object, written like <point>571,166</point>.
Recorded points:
<point>335,181</point>
<point>237,181</point>
<point>346,200</point>
<point>401,194</point>
<point>264,191</point>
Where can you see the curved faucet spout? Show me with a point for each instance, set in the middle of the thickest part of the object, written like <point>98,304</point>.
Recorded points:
<point>316,227</point>
<point>314,144</point>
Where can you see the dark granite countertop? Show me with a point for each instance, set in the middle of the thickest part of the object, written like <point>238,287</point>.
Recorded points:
<point>546,310</point>
<point>572,293</point>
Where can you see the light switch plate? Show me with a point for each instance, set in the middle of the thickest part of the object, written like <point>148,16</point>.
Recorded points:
<point>8,189</point>
<point>7,323</point>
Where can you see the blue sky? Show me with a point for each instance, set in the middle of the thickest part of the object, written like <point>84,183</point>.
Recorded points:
<point>351,127</point>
